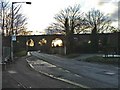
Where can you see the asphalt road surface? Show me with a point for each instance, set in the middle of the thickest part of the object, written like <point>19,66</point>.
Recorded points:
<point>90,75</point>
<point>20,75</point>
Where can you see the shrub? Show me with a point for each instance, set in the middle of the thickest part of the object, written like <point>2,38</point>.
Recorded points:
<point>21,53</point>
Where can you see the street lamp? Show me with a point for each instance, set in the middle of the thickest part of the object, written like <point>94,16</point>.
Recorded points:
<point>2,8</point>
<point>2,33</point>
<point>12,21</point>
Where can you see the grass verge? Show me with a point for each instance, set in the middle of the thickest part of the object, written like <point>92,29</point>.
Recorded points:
<point>20,54</point>
<point>99,59</point>
<point>69,56</point>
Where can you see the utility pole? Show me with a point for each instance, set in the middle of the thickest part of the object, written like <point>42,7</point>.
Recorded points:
<point>12,33</point>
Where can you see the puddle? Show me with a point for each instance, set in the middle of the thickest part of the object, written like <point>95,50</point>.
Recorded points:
<point>109,73</point>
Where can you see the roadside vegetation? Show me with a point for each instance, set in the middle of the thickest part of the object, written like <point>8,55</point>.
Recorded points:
<point>99,59</point>
<point>93,59</point>
<point>21,53</point>
<point>69,56</point>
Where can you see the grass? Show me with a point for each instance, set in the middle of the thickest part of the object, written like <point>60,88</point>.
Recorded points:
<point>100,59</point>
<point>69,56</point>
<point>93,59</point>
<point>21,53</point>
<point>72,55</point>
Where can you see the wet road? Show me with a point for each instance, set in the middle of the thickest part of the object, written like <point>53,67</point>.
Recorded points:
<point>90,75</point>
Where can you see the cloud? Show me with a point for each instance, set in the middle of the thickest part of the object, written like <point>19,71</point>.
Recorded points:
<point>115,15</point>
<point>109,7</point>
<point>102,2</point>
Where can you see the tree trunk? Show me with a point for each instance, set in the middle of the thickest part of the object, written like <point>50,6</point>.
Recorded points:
<point>94,40</point>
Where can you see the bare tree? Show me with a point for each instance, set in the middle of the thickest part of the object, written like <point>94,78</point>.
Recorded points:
<point>54,29</point>
<point>114,29</point>
<point>19,23</point>
<point>68,22</point>
<point>3,8</point>
<point>97,22</point>
<point>23,31</point>
<point>73,15</point>
<point>19,20</point>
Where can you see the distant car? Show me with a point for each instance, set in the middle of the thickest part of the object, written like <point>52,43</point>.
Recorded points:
<point>38,51</point>
<point>28,53</point>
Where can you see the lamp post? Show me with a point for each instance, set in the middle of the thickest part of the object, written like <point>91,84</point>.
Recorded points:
<point>12,21</point>
<point>2,10</point>
<point>2,17</point>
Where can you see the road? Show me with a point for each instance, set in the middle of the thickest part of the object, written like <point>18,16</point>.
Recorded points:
<point>20,75</point>
<point>90,75</point>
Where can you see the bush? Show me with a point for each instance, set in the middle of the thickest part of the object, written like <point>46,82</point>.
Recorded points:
<point>20,54</point>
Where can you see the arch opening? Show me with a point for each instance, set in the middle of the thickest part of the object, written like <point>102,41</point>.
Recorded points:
<point>42,42</point>
<point>30,43</point>
<point>57,42</point>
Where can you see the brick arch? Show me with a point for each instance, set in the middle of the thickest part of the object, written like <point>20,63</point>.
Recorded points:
<point>36,39</point>
<point>30,42</point>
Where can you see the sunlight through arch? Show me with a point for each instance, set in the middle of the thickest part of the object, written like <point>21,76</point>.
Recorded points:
<point>57,42</point>
<point>30,43</point>
<point>42,42</point>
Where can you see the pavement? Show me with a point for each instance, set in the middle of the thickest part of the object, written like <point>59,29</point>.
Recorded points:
<point>0,60</point>
<point>0,76</point>
<point>81,74</point>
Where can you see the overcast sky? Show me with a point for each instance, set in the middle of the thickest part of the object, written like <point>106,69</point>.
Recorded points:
<point>41,13</point>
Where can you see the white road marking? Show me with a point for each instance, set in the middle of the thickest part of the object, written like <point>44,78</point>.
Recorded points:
<point>67,71</point>
<point>12,72</point>
<point>60,68</point>
<point>77,75</point>
<point>73,83</point>
<point>31,66</point>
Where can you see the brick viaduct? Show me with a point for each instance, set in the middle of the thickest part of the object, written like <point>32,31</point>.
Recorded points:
<point>20,43</point>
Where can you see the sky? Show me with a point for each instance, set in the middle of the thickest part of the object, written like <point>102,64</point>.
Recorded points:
<point>40,14</point>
